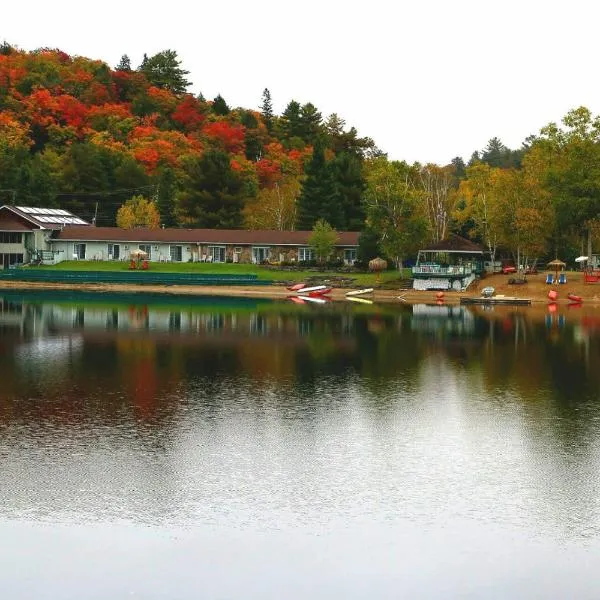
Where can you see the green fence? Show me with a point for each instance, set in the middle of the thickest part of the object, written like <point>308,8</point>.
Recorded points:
<point>129,277</point>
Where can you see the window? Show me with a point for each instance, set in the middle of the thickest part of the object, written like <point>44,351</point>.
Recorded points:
<point>216,253</point>
<point>114,251</point>
<point>349,256</point>
<point>10,237</point>
<point>176,253</point>
<point>147,249</point>
<point>306,254</point>
<point>260,254</point>
<point>79,251</point>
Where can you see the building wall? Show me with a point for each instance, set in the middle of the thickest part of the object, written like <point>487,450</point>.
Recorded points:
<point>159,252</point>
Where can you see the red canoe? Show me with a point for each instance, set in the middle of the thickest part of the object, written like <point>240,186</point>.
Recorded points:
<point>296,287</point>
<point>574,298</point>
<point>317,293</point>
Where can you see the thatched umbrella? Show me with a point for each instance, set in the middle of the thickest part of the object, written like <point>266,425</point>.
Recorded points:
<point>377,265</point>
<point>557,264</point>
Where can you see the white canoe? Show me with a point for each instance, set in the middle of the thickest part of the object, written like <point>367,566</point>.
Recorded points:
<point>360,292</point>
<point>315,300</point>
<point>315,288</point>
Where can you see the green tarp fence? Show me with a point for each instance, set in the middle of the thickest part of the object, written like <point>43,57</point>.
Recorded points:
<point>129,277</point>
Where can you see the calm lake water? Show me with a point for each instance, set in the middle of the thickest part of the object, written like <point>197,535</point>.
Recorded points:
<point>158,447</point>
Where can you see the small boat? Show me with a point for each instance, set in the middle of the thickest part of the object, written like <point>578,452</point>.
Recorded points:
<point>308,290</point>
<point>359,300</point>
<point>296,287</point>
<point>488,292</point>
<point>575,298</point>
<point>360,292</point>
<point>316,299</point>
<point>317,293</point>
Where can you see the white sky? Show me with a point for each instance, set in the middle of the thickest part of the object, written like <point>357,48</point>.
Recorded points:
<point>426,79</point>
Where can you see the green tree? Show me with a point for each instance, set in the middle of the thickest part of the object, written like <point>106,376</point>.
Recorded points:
<point>289,122</point>
<point>323,239</point>
<point>166,196</point>
<point>266,108</point>
<point>219,106</point>
<point>394,208</point>
<point>213,194</point>
<point>309,123</point>
<point>349,186</point>
<point>163,70</point>
<point>124,64</point>
<point>318,199</point>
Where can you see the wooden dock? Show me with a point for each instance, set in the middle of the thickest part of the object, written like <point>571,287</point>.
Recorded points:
<point>495,300</point>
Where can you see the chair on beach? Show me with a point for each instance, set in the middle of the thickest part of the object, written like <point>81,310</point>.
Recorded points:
<point>562,278</point>
<point>549,279</point>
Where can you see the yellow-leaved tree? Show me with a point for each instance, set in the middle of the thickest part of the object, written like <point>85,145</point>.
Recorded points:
<point>138,212</point>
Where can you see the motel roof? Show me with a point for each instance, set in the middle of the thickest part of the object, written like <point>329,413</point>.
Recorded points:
<point>240,237</point>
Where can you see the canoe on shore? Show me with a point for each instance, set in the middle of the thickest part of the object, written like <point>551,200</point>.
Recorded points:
<point>360,292</point>
<point>309,290</point>
<point>574,298</point>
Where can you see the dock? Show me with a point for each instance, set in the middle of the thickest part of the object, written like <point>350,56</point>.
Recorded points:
<point>495,300</point>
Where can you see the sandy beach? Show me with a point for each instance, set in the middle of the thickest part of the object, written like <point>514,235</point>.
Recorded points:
<point>535,289</point>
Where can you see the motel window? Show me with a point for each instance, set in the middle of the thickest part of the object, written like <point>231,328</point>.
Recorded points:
<point>216,253</point>
<point>147,248</point>
<point>114,251</point>
<point>176,253</point>
<point>306,254</point>
<point>79,251</point>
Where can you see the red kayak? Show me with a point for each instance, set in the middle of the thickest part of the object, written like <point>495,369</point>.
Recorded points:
<point>296,287</point>
<point>317,293</point>
<point>574,298</point>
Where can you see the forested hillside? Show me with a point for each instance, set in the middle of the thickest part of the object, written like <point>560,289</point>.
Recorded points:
<point>78,134</point>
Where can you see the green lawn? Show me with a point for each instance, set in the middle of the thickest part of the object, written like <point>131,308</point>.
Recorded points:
<point>364,279</point>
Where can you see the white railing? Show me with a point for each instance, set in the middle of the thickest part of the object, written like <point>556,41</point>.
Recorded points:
<point>442,271</point>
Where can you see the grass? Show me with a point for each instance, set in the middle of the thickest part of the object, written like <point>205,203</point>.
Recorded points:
<point>264,273</point>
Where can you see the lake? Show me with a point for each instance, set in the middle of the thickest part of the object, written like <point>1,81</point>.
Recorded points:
<point>168,447</point>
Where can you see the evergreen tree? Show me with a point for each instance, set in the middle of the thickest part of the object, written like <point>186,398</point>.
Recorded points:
<point>266,108</point>
<point>290,120</point>
<point>163,70</point>
<point>213,196</point>
<point>349,184</point>
<point>309,123</point>
<point>318,199</point>
<point>219,106</point>
<point>165,197</point>
<point>459,167</point>
<point>124,63</point>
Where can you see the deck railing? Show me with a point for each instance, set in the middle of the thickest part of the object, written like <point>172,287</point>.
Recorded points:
<point>443,271</point>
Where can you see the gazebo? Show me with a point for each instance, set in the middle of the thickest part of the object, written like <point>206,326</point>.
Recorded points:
<point>452,263</point>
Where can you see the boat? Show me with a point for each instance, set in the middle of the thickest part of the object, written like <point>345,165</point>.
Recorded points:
<point>297,299</point>
<point>308,290</point>
<point>317,293</point>
<point>316,299</point>
<point>575,298</point>
<point>360,292</point>
<point>296,287</point>
<point>359,300</point>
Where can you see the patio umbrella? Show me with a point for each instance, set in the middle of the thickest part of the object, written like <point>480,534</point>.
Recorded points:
<point>138,254</point>
<point>557,264</point>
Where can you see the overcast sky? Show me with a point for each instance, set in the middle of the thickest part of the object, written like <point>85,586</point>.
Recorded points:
<point>426,79</point>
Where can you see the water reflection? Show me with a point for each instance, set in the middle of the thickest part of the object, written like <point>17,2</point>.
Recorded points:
<point>243,416</point>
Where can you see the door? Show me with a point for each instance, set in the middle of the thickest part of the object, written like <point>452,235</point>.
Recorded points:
<point>176,253</point>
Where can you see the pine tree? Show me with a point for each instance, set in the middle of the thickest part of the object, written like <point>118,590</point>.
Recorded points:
<point>318,199</point>
<point>220,107</point>
<point>124,63</point>
<point>349,183</point>
<point>165,200</point>
<point>163,70</point>
<point>290,120</point>
<point>266,108</point>
<point>310,120</point>
<point>214,194</point>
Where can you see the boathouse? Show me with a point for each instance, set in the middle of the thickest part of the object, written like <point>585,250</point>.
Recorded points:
<point>452,264</point>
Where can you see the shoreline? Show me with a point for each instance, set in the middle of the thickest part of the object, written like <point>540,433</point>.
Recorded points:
<point>537,294</point>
